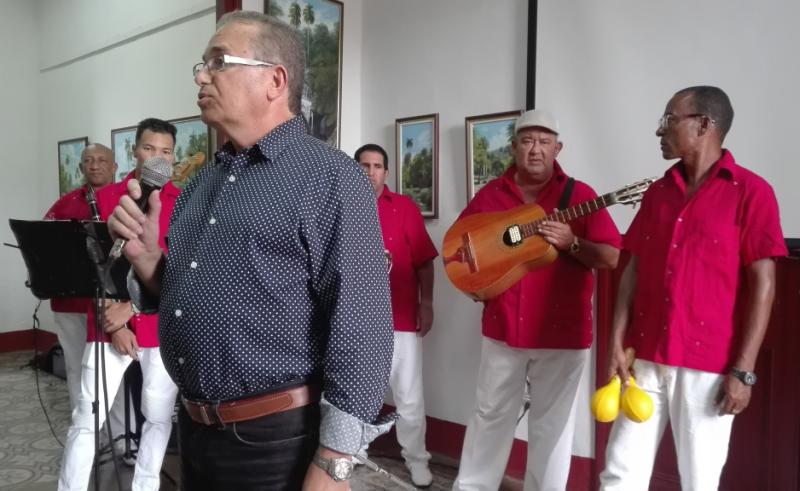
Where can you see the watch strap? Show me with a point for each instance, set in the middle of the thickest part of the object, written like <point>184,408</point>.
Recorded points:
<point>330,466</point>
<point>747,378</point>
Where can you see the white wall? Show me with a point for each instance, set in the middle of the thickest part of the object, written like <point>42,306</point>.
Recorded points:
<point>19,120</point>
<point>609,68</point>
<point>458,59</point>
<point>83,68</point>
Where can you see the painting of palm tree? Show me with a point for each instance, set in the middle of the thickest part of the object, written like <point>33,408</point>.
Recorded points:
<point>319,26</point>
<point>191,148</point>
<point>70,176</point>
<point>417,143</point>
<point>123,141</point>
<point>488,147</point>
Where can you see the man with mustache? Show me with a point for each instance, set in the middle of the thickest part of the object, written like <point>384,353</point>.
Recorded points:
<point>541,327</point>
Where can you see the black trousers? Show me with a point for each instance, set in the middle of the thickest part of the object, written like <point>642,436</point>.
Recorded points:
<point>269,453</point>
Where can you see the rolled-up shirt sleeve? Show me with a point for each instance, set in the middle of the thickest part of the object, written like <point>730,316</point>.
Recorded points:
<point>351,284</point>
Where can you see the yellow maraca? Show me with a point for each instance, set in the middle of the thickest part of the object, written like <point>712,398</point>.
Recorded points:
<point>636,404</point>
<point>605,402</point>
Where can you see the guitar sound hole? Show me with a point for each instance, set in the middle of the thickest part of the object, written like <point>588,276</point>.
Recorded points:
<point>512,237</point>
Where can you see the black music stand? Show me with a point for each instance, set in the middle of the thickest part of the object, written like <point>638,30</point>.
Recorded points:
<point>68,259</point>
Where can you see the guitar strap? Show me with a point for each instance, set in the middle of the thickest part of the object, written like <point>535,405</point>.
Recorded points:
<point>563,202</point>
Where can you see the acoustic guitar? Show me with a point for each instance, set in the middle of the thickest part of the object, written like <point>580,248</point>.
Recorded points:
<point>486,253</point>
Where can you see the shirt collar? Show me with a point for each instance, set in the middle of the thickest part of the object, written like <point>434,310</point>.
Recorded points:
<point>271,145</point>
<point>508,177</point>
<point>386,193</point>
<point>725,167</point>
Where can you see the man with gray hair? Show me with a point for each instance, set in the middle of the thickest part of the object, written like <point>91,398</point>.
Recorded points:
<point>273,300</point>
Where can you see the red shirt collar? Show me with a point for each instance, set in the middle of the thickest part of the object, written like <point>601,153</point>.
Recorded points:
<point>508,179</point>
<point>386,193</point>
<point>725,167</point>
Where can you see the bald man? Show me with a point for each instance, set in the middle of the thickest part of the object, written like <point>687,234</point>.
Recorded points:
<point>98,168</point>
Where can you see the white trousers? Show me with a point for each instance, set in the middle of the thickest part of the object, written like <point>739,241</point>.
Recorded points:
<point>686,398</point>
<point>554,376</point>
<point>405,382</point>
<point>71,331</point>
<point>158,401</point>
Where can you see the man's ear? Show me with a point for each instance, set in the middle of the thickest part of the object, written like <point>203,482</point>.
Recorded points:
<point>278,82</point>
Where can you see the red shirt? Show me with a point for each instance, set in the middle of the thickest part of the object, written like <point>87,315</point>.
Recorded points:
<point>71,206</point>
<point>144,325</point>
<point>407,240</point>
<point>550,307</point>
<point>691,255</point>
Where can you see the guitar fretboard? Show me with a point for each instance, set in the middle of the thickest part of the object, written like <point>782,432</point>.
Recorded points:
<point>587,207</point>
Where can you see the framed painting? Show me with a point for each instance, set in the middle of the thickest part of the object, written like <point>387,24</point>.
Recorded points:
<point>123,140</point>
<point>417,157</point>
<point>489,154</point>
<point>192,148</point>
<point>70,176</point>
<point>319,26</point>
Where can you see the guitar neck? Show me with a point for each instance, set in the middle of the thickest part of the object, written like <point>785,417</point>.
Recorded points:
<point>569,214</point>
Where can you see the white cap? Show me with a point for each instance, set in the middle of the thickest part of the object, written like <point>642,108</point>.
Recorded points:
<point>539,118</point>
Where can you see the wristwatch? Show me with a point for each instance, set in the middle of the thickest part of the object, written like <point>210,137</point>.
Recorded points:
<point>575,247</point>
<point>747,378</point>
<point>340,469</point>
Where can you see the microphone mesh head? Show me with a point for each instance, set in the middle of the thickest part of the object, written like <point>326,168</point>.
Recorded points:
<point>156,172</point>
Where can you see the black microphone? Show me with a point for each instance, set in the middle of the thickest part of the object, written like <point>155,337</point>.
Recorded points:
<point>156,172</point>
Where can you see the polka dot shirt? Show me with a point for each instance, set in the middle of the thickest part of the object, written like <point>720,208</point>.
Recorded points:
<point>276,277</point>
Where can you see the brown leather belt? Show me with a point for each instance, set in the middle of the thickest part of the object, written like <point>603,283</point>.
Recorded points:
<point>214,414</point>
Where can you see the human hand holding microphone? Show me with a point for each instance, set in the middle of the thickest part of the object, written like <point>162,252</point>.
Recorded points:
<point>134,223</point>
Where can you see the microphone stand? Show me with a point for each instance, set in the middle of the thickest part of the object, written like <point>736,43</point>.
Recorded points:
<point>103,286</point>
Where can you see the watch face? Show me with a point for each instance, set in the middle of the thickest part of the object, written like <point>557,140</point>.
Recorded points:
<point>342,469</point>
<point>749,378</point>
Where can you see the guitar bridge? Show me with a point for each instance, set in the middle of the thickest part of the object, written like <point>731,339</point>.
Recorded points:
<point>464,254</point>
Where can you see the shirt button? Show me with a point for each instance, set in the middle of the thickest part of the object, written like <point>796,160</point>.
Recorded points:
<point>680,219</point>
<point>674,246</point>
<point>180,361</point>
<point>212,221</point>
<point>231,178</point>
<point>178,312</point>
<point>193,265</point>
<point>666,299</point>
<point>697,343</point>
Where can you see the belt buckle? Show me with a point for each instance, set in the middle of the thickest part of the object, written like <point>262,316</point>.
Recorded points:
<point>211,418</point>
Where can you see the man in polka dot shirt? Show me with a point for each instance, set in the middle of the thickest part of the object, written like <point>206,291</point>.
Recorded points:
<point>274,313</point>
<point>411,253</point>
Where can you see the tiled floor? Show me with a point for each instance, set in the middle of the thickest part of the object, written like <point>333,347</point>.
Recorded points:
<point>30,456</point>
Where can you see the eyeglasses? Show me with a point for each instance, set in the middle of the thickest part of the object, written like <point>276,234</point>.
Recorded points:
<point>219,63</point>
<point>666,120</point>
